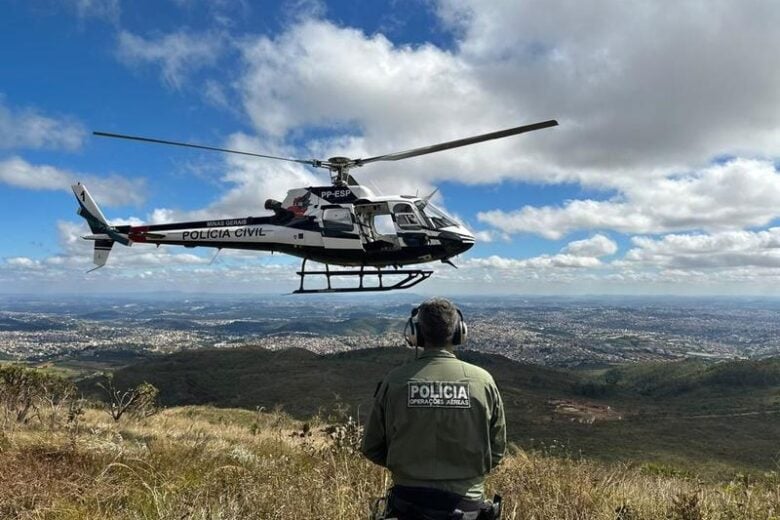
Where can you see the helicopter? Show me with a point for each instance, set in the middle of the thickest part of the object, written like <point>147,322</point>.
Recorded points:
<point>344,224</point>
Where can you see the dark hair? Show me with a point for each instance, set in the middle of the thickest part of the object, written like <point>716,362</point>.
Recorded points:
<point>437,318</point>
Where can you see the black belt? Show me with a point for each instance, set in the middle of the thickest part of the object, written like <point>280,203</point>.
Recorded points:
<point>433,504</point>
<point>435,498</point>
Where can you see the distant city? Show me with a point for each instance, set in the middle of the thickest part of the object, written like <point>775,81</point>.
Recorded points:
<point>562,332</point>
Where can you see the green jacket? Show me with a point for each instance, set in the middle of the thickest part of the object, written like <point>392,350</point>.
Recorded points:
<point>437,422</point>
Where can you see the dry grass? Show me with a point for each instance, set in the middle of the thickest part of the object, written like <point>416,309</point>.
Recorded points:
<point>206,463</point>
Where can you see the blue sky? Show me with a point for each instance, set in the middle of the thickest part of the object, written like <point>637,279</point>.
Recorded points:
<point>661,179</point>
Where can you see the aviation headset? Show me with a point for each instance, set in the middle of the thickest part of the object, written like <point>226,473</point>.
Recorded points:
<point>415,339</point>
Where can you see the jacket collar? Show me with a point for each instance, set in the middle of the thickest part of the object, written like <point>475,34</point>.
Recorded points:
<point>436,353</point>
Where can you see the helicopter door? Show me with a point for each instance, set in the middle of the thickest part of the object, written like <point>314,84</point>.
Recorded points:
<point>338,229</point>
<point>377,227</point>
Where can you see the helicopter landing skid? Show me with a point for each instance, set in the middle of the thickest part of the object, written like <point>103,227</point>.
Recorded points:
<point>411,277</point>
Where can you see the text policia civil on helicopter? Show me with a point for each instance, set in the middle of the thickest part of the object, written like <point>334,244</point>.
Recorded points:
<point>343,224</point>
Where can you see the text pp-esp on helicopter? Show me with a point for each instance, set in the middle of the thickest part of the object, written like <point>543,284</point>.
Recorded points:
<point>343,224</point>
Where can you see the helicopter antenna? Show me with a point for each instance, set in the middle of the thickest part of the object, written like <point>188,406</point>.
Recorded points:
<point>428,197</point>
<point>339,166</point>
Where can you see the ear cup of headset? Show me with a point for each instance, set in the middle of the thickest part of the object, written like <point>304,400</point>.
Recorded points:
<point>461,333</point>
<point>412,330</point>
<point>464,332</point>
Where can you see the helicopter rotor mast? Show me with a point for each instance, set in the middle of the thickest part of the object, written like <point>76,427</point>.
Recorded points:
<point>339,166</point>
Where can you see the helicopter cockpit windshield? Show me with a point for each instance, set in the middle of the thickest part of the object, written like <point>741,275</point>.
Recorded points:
<point>437,217</point>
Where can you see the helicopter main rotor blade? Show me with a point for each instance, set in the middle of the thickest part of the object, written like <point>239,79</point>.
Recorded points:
<point>457,143</point>
<point>310,162</point>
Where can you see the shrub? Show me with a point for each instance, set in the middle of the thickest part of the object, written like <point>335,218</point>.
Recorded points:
<point>33,392</point>
<point>139,401</point>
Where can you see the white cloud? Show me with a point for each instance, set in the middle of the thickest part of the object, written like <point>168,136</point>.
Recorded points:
<point>635,85</point>
<point>111,190</point>
<point>731,262</point>
<point>28,128</point>
<point>178,54</point>
<point>595,246</point>
<point>737,194</point>
<point>162,216</point>
<point>562,260</point>
<point>689,252</point>
<point>491,235</point>
<point>398,97</point>
<point>630,104</point>
<point>578,254</point>
<point>23,261</point>
<point>298,79</point>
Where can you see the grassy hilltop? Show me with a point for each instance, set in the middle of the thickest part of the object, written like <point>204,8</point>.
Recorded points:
<point>256,434</point>
<point>713,420</point>
<point>206,463</point>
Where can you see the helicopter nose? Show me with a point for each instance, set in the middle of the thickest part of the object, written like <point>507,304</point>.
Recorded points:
<point>467,239</point>
<point>457,243</point>
<point>466,244</point>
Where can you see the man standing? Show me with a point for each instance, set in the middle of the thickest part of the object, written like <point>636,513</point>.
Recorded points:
<point>437,424</point>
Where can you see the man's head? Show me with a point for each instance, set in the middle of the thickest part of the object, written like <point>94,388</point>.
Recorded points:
<point>438,319</point>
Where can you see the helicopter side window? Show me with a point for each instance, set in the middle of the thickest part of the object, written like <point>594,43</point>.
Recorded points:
<point>383,224</point>
<point>337,219</point>
<point>407,221</point>
<point>405,217</point>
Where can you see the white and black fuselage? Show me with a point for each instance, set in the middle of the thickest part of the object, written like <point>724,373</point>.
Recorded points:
<point>346,226</point>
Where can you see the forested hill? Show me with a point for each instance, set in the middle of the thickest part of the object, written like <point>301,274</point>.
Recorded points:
<point>723,417</point>
<point>303,382</point>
